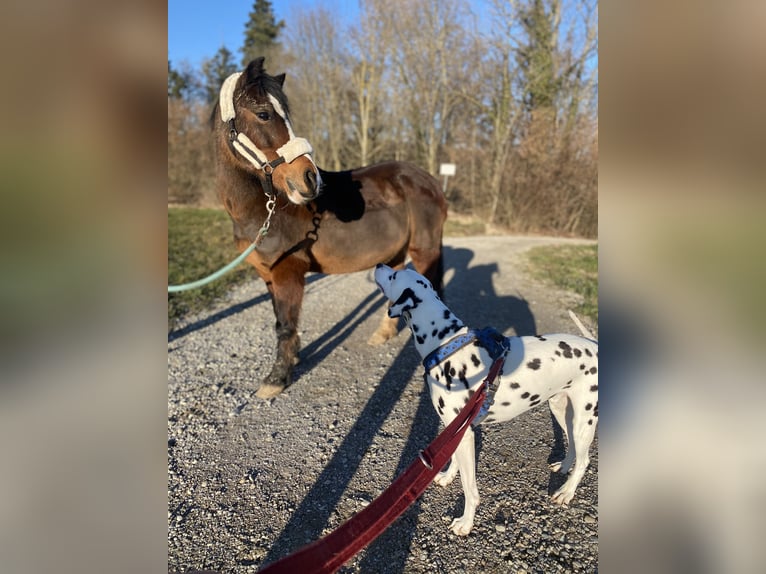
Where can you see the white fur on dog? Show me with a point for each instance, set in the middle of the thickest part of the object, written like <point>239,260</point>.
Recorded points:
<point>560,368</point>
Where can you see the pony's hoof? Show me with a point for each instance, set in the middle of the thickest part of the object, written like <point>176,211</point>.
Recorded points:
<point>377,339</point>
<point>268,391</point>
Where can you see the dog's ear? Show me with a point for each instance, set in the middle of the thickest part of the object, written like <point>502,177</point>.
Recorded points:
<point>406,302</point>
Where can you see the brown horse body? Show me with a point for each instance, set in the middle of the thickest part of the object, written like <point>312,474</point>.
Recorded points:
<point>327,222</point>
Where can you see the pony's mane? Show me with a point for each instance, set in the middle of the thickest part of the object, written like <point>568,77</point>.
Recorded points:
<point>258,84</point>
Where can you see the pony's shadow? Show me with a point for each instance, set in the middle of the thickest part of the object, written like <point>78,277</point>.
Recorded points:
<point>471,295</point>
<point>204,322</point>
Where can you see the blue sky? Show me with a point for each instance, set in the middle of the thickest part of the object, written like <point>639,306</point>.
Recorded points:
<point>197,28</point>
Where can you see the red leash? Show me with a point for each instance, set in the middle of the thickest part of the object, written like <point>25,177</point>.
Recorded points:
<point>327,554</point>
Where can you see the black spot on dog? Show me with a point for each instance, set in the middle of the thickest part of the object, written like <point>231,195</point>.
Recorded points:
<point>541,338</point>
<point>534,404</point>
<point>593,370</point>
<point>489,420</point>
<point>587,352</point>
<point>590,421</point>
<point>455,326</point>
<point>534,364</point>
<point>515,385</point>
<point>408,294</point>
<point>524,395</point>
<point>593,388</point>
<point>506,403</point>
<point>415,328</point>
<point>433,322</point>
<point>447,314</point>
<point>589,406</point>
<point>569,384</point>
<point>441,402</point>
<point>448,374</point>
<point>534,397</point>
<point>456,410</point>
<point>475,360</point>
<point>577,352</point>
<point>420,339</point>
<point>465,400</point>
<point>433,333</point>
<point>558,353</point>
<point>564,346</point>
<point>595,411</point>
<point>582,367</point>
<point>462,377</point>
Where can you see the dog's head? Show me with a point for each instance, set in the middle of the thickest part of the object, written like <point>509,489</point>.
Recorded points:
<point>406,289</point>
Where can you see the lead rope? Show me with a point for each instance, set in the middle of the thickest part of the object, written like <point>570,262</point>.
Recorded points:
<point>271,203</point>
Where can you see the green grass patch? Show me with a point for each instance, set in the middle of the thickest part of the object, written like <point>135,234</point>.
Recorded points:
<point>464,227</point>
<point>570,267</point>
<point>200,242</point>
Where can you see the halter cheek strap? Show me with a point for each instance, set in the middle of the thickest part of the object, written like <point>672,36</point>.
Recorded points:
<point>292,149</point>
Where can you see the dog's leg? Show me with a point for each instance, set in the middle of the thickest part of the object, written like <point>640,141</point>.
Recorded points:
<point>584,429</point>
<point>465,457</point>
<point>562,412</point>
<point>446,476</point>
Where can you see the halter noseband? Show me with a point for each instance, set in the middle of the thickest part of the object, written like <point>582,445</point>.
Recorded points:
<point>294,148</point>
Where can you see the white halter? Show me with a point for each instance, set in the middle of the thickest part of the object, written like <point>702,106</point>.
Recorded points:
<point>295,147</point>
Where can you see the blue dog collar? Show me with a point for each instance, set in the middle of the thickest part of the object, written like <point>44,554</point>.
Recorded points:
<point>493,341</point>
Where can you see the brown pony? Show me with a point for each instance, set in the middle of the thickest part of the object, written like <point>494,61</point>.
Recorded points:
<point>327,222</point>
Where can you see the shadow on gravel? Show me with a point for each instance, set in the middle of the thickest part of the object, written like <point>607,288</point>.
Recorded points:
<point>233,310</point>
<point>316,352</point>
<point>472,296</point>
<point>310,518</point>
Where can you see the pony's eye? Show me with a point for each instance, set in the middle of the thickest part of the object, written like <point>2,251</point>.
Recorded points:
<point>263,116</point>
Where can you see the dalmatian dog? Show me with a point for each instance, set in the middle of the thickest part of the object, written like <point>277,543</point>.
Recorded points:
<point>561,369</point>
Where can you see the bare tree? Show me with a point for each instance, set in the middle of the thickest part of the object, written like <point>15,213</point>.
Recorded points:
<point>371,44</point>
<point>428,39</point>
<point>320,85</point>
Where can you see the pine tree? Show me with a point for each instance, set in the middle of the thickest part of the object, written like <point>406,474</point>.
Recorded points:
<point>179,84</point>
<point>541,85</point>
<point>215,70</point>
<point>261,32</point>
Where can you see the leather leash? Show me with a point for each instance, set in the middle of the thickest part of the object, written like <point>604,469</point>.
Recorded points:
<point>327,554</point>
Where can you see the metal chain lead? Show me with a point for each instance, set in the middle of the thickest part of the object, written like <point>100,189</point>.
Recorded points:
<point>271,204</point>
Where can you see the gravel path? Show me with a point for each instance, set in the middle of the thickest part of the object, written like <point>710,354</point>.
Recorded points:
<point>250,481</point>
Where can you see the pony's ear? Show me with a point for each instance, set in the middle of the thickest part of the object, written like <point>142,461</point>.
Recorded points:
<point>254,68</point>
<point>407,301</point>
<point>281,79</point>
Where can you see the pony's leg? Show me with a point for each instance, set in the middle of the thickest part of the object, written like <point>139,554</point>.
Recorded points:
<point>286,287</point>
<point>388,326</point>
<point>385,331</point>
<point>429,263</point>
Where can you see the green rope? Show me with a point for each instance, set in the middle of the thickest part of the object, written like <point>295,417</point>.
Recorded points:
<point>270,206</point>
<point>212,277</point>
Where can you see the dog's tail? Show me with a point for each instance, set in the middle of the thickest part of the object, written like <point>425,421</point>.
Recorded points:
<point>583,330</point>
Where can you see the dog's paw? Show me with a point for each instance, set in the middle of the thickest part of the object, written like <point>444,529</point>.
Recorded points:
<point>563,496</point>
<point>444,478</point>
<point>461,526</point>
<point>562,466</point>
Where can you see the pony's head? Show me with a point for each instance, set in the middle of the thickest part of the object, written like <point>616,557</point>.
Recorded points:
<point>256,123</point>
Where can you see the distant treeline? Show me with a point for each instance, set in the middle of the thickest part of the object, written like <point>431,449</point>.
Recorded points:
<point>508,93</point>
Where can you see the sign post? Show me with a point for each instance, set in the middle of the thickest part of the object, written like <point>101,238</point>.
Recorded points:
<point>446,169</point>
